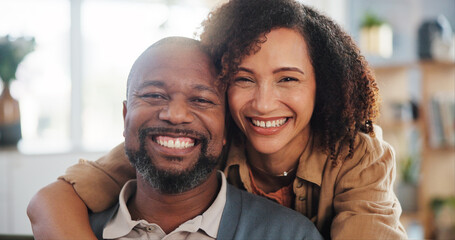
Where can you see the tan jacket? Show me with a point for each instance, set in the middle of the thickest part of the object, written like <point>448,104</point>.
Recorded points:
<point>350,199</point>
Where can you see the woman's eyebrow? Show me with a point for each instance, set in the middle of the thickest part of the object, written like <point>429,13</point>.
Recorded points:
<point>282,69</point>
<point>245,70</point>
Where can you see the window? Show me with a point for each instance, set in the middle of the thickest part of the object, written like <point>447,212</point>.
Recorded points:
<point>43,82</point>
<point>111,44</point>
<point>71,88</point>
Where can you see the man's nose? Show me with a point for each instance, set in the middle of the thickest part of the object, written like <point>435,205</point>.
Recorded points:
<point>264,99</point>
<point>176,112</point>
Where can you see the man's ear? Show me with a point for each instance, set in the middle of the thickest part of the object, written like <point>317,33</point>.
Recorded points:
<point>125,110</point>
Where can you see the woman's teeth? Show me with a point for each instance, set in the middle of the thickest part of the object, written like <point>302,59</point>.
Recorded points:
<point>175,143</point>
<point>269,124</point>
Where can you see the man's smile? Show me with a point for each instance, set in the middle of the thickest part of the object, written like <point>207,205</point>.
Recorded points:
<point>174,143</point>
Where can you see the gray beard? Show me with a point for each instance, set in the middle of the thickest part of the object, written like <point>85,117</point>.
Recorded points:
<point>171,182</point>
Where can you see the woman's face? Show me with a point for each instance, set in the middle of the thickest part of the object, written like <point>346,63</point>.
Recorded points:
<point>272,96</point>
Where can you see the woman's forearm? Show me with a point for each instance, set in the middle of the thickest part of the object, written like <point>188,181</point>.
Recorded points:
<point>57,212</point>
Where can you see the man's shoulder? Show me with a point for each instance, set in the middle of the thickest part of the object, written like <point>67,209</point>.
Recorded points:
<point>258,206</point>
<point>258,217</point>
<point>99,220</point>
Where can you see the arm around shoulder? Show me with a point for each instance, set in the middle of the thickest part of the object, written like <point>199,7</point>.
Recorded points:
<point>98,183</point>
<point>57,212</point>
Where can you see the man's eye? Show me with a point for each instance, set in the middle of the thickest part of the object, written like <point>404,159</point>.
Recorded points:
<point>154,96</point>
<point>289,79</point>
<point>202,101</point>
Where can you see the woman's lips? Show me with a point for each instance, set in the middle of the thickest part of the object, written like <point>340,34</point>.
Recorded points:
<point>268,126</point>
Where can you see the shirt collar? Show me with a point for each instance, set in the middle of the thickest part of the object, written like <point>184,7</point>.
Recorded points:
<point>311,156</point>
<point>211,218</point>
<point>121,223</point>
<point>315,158</point>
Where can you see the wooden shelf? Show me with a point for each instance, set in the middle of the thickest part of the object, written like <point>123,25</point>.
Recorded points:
<point>437,169</point>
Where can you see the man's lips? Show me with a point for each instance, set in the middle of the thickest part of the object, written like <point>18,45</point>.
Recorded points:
<point>174,142</point>
<point>172,145</point>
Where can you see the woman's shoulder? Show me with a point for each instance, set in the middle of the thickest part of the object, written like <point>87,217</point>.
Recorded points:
<point>372,158</point>
<point>367,147</point>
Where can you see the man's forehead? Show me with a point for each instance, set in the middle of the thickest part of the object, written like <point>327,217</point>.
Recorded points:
<point>165,69</point>
<point>169,56</point>
<point>170,60</point>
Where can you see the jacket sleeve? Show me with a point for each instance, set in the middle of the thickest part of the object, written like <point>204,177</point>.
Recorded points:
<point>365,205</point>
<point>99,183</point>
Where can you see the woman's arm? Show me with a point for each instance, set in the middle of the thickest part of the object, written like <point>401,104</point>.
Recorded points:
<point>99,183</point>
<point>57,212</point>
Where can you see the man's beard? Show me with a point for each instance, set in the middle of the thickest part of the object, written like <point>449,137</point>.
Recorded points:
<point>171,182</point>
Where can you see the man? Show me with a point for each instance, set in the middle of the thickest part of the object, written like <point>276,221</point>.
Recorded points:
<point>174,135</point>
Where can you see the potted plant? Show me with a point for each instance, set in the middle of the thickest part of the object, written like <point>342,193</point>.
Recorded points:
<point>376,36</point>
<point>444,216</point>
<point>12,52</point>
<point>407,186</point>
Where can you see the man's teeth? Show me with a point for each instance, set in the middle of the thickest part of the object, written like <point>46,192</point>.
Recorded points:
<point>269,124</point>
<point>177,144</point>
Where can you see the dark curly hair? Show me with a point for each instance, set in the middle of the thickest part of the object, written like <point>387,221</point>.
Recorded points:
<point>347,98</point>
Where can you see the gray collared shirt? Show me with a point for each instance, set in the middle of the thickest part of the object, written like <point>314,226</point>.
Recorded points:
<point>204,226</point>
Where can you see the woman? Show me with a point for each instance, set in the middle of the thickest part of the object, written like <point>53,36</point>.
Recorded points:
<point>303,101</point>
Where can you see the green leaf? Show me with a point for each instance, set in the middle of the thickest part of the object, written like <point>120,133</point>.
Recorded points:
<point>12,52</point>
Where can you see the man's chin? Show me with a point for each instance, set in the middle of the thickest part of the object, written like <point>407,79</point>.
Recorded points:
<point>172,179</point>
<point>175,181</point>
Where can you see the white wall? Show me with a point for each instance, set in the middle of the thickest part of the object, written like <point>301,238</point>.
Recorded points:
<point>21,176</point>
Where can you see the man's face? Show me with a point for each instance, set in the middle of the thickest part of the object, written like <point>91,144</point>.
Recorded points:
<point>174,118</point>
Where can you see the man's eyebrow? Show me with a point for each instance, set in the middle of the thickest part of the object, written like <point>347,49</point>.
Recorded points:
<point>154,83</point>
<point>161,84</point>
<point>201,87</point>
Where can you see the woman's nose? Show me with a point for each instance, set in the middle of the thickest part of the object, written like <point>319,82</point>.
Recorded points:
<point>264,99</point>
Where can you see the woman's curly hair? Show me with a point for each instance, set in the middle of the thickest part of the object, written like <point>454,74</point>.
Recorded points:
<point>347,96</point>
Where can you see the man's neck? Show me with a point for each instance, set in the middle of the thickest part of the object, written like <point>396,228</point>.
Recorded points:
<point>169,211</point>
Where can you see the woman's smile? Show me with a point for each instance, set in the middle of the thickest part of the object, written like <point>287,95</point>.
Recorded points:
<point>268,126</point>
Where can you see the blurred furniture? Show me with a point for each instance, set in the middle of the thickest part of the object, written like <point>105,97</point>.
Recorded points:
<point>428,136</point>
<point>16,237</point>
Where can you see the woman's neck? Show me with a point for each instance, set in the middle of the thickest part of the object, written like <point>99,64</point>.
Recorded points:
<point>273,171</point>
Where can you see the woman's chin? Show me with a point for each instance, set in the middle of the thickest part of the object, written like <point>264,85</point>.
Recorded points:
<point>266,147</point>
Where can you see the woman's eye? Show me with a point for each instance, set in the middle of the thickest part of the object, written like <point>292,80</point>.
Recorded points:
<point>243,82</point>
<point>242,79</point>
<point>289,79</point>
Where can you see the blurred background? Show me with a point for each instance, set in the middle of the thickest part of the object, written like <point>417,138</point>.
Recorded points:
<point>64,102</point>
